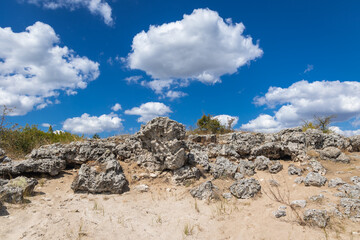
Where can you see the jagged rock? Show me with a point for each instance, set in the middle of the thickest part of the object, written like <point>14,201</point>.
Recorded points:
<point>14,190</point>
<point>223,167</point>
<point>185,174</point>
<point>245,188</point>
<point>298,203</point>
<point>199,157</point>
<point>335,182</point>
<point>244,142</point>
<point>275,167</point>
<point>314,179</point>
<point>334,154</point>
<point>314,138</point>
<point>261,163</point>
<point>293,170</point>
<point>351,207</point>
<point>280,213</point>
<point>316,198</point>
<point>163,139</point>
<point>141,188</point>
<point>316,217</point>
<point>246,168</point>
<point>302,157</point>
<point>350,191</point>
<point>315,166</point>
<point>205,191</point>
<point>3,157</point>
<point>202,138</point>
<point>101,177</point>
<point>355,180</point>
<point>355,143</point>
<point>272,150</point>
<point>299,180</point>
<point>228,150</point>
<point>238,176</point>
<point>50,166</point>
<point>335,140</point>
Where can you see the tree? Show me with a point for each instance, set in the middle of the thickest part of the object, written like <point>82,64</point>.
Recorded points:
<point>96,136</point>
<point>208,124</point>
<point>324,122</point>
<point>50,130</point>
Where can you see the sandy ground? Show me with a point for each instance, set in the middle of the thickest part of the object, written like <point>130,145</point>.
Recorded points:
<point>169,212</point>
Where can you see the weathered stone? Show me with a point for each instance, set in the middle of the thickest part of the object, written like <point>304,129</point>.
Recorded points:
<point>316,217</point>
<point>316,198</point>
<point>245,188</point>
<point>334,154</point>
<point>355,180</point>
<point>261,163</point>
<point>202,138</point>
<point>298,203</point>
<point>246,168</point>
<point>335,182</point>
<point>351,207</point>
<point>205,191</point>
<point>101,177</point>
<point>227,195</point>
<point>238,176</point>
<point>315,166</point>
<point>314,179</point>
<point>223,167</point>
<point>275,167</point>
<point>272,150</point>
<point>280,213</point>
<point>185,174</point>
<point>50,166</point>
<point>355,143</point>
<point>16,189</point>
<point>350,191</point>
<point>141,188</point>
<point>299,180</point>
<point>293,170</point>
<point>199,157</point>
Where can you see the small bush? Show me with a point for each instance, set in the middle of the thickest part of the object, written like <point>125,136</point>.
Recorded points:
<point>207,124</point>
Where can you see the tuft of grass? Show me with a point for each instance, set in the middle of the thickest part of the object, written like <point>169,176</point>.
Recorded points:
<point>197,207</point>
<point>188,229</point>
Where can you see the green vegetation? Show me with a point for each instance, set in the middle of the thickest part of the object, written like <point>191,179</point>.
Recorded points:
<point>18,141</point>
<point>207,124</point>
<point>321,123</point>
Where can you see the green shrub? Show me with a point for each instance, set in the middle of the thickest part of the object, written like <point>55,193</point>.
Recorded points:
<point>207,124</point>
<point>321,123</point>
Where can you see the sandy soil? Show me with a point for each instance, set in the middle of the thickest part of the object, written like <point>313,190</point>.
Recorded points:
<point>169,212</point>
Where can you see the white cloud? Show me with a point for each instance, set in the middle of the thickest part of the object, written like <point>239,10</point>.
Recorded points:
<point>96,7</point>
<point>172,95</point>
<point>87,124</point>
<point>309,68</point>
<point>303,100</point>
<point>263,123</point>
<point>133,79</point>
<point>201,46</point>
<point>34,69</point>
<point>116,107</point>
<point>46,125</point>
<point>149,110</point>
<point>224,120</point>
<point>346,133</point>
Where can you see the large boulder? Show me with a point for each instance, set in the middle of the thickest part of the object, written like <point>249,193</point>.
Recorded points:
<point>245,188</point>
<point>351,207</point>
<point>199,157</point>
<point>334,154</point>
<point>186,175</point>
<point>205,191</point>
<point>315,179</point>
<point>162,140</point>
<point>52,166</point>
<point>101,177</point>
<point>223,167</point>
<point>246,168</point>
<point>293,170</point>
<point>14,190</point>
<point>355,143</point>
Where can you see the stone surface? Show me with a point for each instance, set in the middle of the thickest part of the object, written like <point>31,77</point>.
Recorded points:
<point>335,182</point>
<point>316,217</point>
<point>14,190</point>
<point>316,198</point>
<point>314,179</point>
<point>199,157</point>
<point>298,203</point>
<point>351,207</point>
<point>245,188</point>
<point>223,167</point>
<point>316,166</point>
<point>141,188</point>
<point>51,166</point>
<point>205,191</point>
<point>275,167</point>
<point>355,179</point>
<point>186,174</point>
<point>101,177</point>
<point>246,168</point>
<point>293,170</point>
<point>350,191</point>
<point>334,154</point>
<point>261,163</point>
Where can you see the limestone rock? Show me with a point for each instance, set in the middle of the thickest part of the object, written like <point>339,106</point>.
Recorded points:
<point>315,166</point>
<point>246,168</point>
<point>261,163</point>
<point>50,166</point>
<point>101,177</point>
<point>298,203</point>
<point>223,167</point>
<point>275,167</point>
<point>334,154</point>
<point>185,174</point>
<point>141,188</point>
<point>245,188</point>
<point>205,191</point>
<point>335,182</point>
<point>293,170</point>
<point>316,217</point>
<point>351,207</point>
<point>350,191</point>
<point>314,179</point>
<point>199,157</point>
<point>14,190</point>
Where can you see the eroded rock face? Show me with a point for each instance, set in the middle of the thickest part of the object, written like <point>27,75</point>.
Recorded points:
<point>205,191</point>
<point>245,188</point>
<point>186,174</point>
<point>351,207</point>
<point>293,170</point>
<point>223,167</point>
<point>163,141</point>
<point>316,217</point>
<point>101,177</point>
<point>314,179</point>
<point>261,163</point>
<point>14,190</point>
<point>334,154</point>
<point>275,167</point>
<point>51,166</point>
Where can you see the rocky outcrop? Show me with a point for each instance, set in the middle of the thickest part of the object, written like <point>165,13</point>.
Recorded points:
<point>186,175</point>
<point>14,190</point>
<point>315,217</point>
<point>293,170</point>
<point>351,207</point>
<point>52,166</point>
<point>223,167</point>
<point>205,191</point>
<point>314,179</point>
<point>245,188</point>
<point>334,154</point>
<point>101,177</point>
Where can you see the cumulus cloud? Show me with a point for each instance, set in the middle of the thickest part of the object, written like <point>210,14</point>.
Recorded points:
<point>34,69</point>
<point>46,125</point>
<point>116,107</point>
<point>172,95</point>
<point>346,133</point>
<point>87,124</point>
<point>200,47</point>
<point>225,119</point>
<point>96,7</point>
<point>302,100</point>
<point>149,110</point>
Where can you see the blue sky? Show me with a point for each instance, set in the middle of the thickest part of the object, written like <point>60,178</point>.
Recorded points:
<point>292,41</point>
